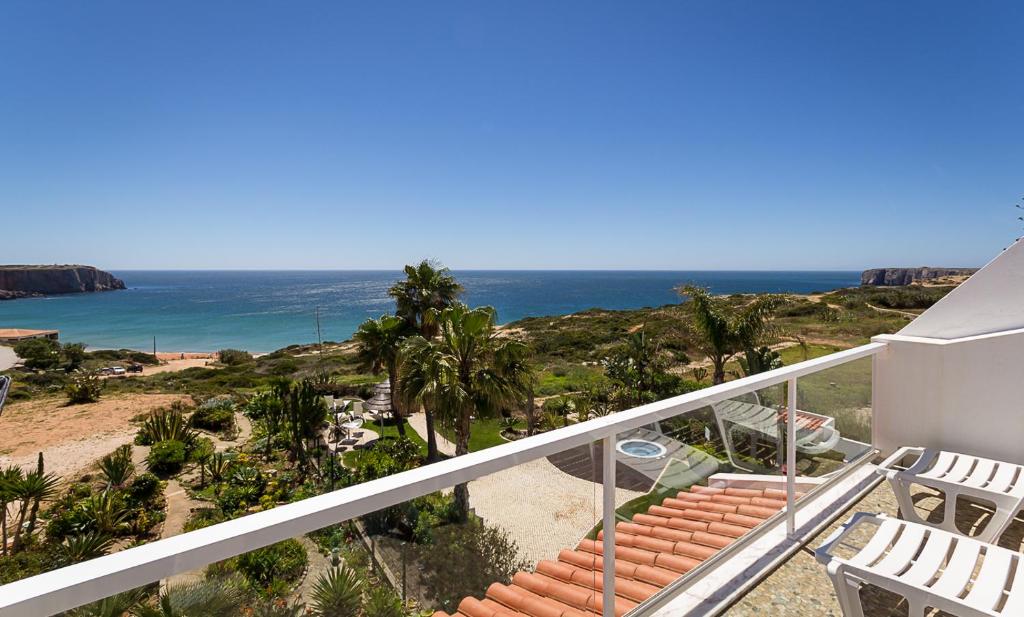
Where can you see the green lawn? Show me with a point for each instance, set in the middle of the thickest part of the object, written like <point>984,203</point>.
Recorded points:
<point>484,434</point>
<point>390,431</point>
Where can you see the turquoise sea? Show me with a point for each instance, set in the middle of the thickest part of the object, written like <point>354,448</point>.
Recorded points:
<point>265,310</point>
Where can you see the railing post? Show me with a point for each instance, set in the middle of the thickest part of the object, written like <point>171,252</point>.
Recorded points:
<point>791,457</point>
<point>608,526</point>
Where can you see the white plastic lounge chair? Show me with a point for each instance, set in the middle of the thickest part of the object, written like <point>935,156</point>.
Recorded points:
<point>929,567</point>
<point>815,433</point>
<point>1001,484</point>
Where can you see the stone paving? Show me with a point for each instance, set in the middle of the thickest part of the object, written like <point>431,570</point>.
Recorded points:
<point>801,588</point>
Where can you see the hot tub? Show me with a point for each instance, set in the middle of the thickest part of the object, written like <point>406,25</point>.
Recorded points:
<point>641,448</point>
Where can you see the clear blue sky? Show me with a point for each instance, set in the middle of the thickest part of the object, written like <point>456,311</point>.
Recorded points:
<point>662,135</point>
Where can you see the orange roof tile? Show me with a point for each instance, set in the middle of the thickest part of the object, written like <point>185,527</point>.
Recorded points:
<point>651,551</point>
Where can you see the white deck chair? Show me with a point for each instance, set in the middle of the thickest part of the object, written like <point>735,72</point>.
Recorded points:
<point>815,433</point>
<point>1001,484</point>
<point>929,567</point>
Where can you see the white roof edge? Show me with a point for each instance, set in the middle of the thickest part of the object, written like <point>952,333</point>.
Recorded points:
<point>990,301</point>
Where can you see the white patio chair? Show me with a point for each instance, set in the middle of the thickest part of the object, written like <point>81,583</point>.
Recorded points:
<point>929,567</point>
<point>956,475</point>
<point>815,434</point>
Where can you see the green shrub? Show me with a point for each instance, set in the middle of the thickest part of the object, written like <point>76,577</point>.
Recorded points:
<point>167,425</point>
<point>143,488</point>
<point>216,414</point>
<point>83,389</point>
<point>282,562</point>
<point>166,456</point>
<point>233,357</point>
<point>39,353</point>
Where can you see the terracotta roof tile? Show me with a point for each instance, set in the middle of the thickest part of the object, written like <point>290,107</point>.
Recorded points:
<point>651,551</point>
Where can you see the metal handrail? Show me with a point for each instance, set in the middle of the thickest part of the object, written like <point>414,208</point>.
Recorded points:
<point>85,582</point>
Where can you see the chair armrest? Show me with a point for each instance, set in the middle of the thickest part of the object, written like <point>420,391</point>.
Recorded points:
<point>887,468</point>
<point>824,552</point>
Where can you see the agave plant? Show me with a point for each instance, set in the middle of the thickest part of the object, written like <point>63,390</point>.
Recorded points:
<point>278,607</point>
<point>105,512</point>
<point>85,546</point>
<point>338,591</point>
<point>206,598</point>
<point>218,466</point>
<point>167,426</point>
<point>112,606</point>
<point>117,467</point>
<point>381,601</point>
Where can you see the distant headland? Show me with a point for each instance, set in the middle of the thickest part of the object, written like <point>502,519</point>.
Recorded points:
<point>891,277</point>
<point>21,281</point>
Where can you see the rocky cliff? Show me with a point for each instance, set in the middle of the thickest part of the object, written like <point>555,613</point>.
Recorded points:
<point>24,281</point>
<point>890,277</point>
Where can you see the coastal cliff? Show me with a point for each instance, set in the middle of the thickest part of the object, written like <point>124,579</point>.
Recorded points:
<point>26,281</point>
<point>891,277</point>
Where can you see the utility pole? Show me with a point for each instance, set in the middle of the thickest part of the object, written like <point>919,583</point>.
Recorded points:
<point>154,347</point>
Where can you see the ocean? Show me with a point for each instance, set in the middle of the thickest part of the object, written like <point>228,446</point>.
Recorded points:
<point>262,311</point>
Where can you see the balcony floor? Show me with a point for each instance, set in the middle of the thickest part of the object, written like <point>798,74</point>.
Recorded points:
<point>800,586</point>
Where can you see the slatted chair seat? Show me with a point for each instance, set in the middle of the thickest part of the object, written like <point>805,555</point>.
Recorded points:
<point>956,475</point>
<point>815,434</point>
<point>931,568</point>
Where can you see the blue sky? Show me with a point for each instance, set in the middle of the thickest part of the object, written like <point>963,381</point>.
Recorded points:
<point>661,135</point>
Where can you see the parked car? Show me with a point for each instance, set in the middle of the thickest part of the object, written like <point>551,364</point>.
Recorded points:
<point>105,371</point>
<point>119,371</point>
<point>134,367</point>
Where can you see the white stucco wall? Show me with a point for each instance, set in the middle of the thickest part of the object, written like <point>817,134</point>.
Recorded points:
<point>963,394</point>
<point>992,300</point>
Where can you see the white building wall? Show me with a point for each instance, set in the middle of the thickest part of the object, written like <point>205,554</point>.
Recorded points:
<point>964,394</point>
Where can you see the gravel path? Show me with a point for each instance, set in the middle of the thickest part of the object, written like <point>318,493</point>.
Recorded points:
<point>318,564</point>
<point>540,506</point>
<point>7,358</point>
<point>179,505</point>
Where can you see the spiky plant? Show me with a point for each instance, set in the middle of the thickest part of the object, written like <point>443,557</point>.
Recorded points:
<point>112,606</point>
<point>207,598</point>
<point>168,425</point>
<point>10,479</point>
<point>339,591</point>
<point>278,607</point>
<point>106,512</point>
<point>382,601</point>
<point>218,466</point>
<point>85,546</point>
<point>117,467</point>
<point>31,491</point>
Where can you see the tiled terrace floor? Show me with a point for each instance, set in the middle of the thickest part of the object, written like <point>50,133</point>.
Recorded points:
<point>801,588</point>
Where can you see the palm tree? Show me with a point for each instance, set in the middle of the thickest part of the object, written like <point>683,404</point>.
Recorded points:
<point>379,341</point>
<point>339,591</point>
<point>427,288</point>
<point>10,480</point>
<point>467,371</point>
<point>726,330</point>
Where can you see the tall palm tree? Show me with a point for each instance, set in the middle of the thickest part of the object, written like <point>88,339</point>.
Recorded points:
<point>427,289</point>
<point>726,330</point>
<point>379,341</point>
<point>466,371</point>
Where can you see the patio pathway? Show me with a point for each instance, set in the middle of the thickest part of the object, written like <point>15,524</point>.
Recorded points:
<point>179,506</point>
<point>418,422</point>
<point>543,508</point>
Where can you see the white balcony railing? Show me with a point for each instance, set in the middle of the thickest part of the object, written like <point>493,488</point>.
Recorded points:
<point>79,584</point>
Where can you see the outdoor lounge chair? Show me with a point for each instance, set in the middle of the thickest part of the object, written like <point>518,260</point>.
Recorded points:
<point>929,567</point>
<point>815,433</point>
<point>956,475</point>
